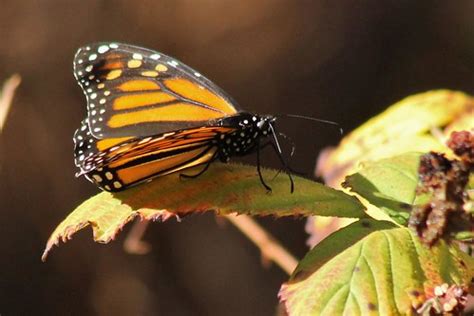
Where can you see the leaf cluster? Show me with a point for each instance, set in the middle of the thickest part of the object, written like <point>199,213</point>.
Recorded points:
<point>377,264</point>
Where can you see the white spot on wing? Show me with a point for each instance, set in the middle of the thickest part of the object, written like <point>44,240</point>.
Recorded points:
<point>173,63</point>
<point>102,49</point>
<point>145,140</point>
<point>93,57</point>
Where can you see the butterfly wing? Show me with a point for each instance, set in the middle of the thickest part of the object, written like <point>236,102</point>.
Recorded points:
<point>125,163</point>
<point>148,115</point>
<point>87,146</point>
<point>136,92</point>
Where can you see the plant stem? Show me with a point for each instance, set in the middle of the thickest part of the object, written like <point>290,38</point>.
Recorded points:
<point>6,97</point>
<point>269,247</point>
<point>134,244</point>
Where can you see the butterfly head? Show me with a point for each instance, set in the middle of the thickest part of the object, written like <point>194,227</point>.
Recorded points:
<point>265,123</point>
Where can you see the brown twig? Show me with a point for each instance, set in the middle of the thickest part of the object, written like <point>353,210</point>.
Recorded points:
<point>6,97</point>
<point>133,243</point>
<point>269,247</point>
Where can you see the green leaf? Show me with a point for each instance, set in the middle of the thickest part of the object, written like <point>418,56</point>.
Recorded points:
<point>404,127</point>
<point>224,188</point>
<point>229,188</point>
<point>390,184</point>
<point>372,268</point>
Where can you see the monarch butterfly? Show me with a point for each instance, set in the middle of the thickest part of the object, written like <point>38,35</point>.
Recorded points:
<point>150,115</point>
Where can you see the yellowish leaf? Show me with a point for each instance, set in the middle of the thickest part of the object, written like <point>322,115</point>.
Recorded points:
<point>410,125</point>
<point>373,268</point>
<point>405,126</point>
<point>224,188</point>
<point>105,214</point>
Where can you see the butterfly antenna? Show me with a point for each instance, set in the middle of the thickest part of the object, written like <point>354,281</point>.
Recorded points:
<point>309,118</point>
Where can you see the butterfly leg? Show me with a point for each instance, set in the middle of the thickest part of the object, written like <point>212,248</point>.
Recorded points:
<point>192,176</point>
<point>286,168</point>
<point>300,173</point>
<point>269,189</point>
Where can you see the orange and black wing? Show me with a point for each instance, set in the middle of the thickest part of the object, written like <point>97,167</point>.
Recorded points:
<point>148,115</point>
<point>135,92</point>
<point>133,161</point>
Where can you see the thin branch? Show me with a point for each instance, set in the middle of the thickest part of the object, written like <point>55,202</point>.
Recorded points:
<point>133,243</point>
<point>269,247</point>
<point>6,97</point>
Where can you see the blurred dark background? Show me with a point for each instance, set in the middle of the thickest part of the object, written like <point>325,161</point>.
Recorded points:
<point>343,61</point>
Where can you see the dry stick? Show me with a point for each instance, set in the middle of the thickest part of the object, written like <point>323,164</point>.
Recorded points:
<point>269,247</point>
<point>133,243</point>
<point>6,97</point>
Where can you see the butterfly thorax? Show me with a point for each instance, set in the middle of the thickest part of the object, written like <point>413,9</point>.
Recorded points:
<point>246,138</point>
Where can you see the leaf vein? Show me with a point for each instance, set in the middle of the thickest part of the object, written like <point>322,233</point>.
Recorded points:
<point>392,281</point>
<point>375,284</point>
<point>349,293</point>
<point>420,267</point>
<point>332,297</point>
